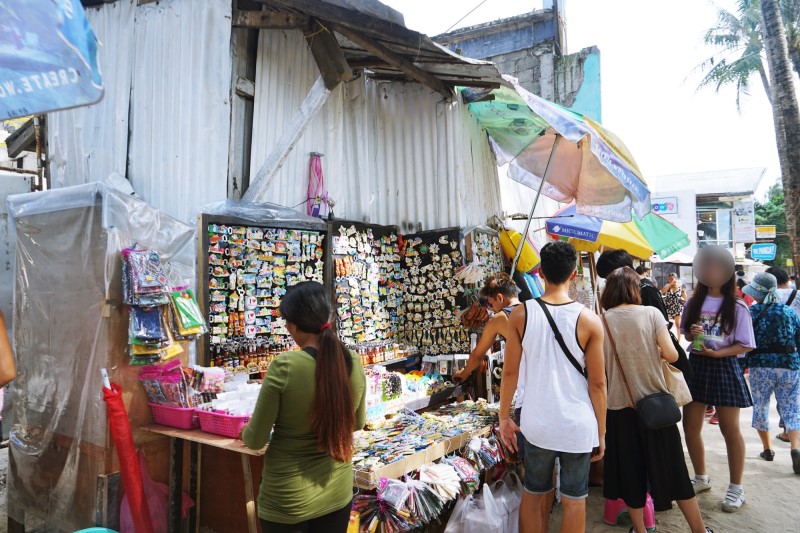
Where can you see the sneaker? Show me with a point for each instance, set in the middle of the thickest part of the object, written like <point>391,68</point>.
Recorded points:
<point>700,485</point>
<point>733,501</point>
<point>796,461</point>
<point>710,411</point>
<point>709,530</point>
<point>714,420</point>
<point>768,455</point>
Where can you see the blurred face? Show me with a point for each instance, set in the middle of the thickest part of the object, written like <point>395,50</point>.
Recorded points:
<point>713,266</point>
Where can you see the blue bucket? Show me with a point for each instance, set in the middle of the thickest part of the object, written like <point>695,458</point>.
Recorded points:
<point>96,530</point>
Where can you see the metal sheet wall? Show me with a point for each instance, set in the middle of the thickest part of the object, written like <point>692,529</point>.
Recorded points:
<point>167,71</point>
<point>89,143</point>
<point>180,97</point>
<point>394,154</point>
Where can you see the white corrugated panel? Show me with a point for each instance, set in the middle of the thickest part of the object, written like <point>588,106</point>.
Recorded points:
<point>89,143</point>
<point>394,154</point>
<point>180,116</point>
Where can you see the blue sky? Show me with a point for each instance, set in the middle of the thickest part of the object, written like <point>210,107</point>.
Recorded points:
<point>648,53</point>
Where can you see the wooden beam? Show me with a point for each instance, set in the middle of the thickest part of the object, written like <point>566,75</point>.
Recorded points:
<point>404,65</point>
<point>314,101</point>
<point>354,19</point>
<point>269,20</point>
<point>245,88</point>
<point>328,55</point>
<point>22,140</point>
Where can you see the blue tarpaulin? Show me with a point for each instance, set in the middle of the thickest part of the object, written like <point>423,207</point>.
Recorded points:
<point>48,57</point>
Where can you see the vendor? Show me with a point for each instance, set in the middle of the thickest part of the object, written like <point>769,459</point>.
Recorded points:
<point>500,292</point>
<point>315,398</point>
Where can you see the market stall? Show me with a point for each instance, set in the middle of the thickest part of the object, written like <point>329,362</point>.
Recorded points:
<point>72,319</point>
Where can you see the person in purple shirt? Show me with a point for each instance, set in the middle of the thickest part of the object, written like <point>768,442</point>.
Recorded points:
<point>721,329</point>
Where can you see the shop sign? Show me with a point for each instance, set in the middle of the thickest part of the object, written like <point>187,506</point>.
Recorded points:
<point>665,206</point>
<point>744,222</point>
<point>48,57</point>
<point>765,232</point>
<point>764,251</point>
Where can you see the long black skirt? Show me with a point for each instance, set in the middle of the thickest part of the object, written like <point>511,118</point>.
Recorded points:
<point>640,460</point>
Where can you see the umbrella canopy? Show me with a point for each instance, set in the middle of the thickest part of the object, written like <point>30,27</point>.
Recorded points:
<point>591,166</point>
<point>640,238</point>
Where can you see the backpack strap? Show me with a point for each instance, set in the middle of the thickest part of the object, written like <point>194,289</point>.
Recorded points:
<point>560,338</point>
<point>791,297</point>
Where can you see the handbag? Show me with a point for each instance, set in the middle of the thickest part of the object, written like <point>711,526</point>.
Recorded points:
<point>656,411</point>
<point>676,384</point>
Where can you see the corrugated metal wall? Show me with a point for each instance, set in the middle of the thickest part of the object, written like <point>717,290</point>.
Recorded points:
<point>167,70</point>
<point>89,143</point>
<point>180,119</point>
<point>393,153</point>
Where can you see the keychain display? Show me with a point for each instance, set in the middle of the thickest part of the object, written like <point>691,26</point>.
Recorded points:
<point>368,284</point>
<point>432,293</point>
<point>486,251</point>
<point>158,313</point>
<point>249,270</point>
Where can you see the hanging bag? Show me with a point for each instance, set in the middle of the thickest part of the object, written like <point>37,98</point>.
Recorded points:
<point>656,411</point>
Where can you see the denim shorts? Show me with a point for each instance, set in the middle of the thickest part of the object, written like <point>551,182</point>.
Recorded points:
<point>574,472</point>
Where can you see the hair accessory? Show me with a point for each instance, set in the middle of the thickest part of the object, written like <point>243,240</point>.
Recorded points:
<point>324,326</point>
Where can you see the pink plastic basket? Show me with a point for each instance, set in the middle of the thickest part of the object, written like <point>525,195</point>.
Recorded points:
<point>175,417</point>
<point>222,424</point>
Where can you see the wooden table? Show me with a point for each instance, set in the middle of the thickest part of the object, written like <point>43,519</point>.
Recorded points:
<point>197,439</point>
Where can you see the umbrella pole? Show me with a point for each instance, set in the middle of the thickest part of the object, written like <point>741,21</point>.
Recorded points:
<point>533,207</point>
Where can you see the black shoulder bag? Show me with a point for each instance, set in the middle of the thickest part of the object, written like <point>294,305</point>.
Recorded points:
<point>656,411</point>
<point>560,338</point>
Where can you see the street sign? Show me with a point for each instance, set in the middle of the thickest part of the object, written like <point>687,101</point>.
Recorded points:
<point>764,251</point>
<point>765,232</point>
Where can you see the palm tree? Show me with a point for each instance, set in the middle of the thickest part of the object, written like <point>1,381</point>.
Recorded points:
<point>740,39</point>
<point>784,97</point>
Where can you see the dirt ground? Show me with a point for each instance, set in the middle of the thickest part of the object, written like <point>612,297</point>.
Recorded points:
<point>772,489</point>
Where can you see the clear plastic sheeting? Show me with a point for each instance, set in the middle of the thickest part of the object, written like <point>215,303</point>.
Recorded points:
<point>261,213</point>
<point>69,322</point>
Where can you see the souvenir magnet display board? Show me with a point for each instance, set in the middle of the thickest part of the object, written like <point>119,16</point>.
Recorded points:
<point>483,247</point>
<point>367,282</point>
<point>432,293</point>
<point>248,267</point>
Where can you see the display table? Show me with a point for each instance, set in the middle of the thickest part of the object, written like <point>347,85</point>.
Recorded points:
<point>197,439</point>
<point>371,479</point>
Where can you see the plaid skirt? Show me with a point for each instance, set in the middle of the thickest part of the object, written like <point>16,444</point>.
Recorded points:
<point>718,381</point>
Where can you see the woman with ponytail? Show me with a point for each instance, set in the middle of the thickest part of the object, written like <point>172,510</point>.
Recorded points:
<point>311,400</point>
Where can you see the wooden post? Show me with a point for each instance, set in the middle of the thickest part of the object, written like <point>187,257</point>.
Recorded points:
<point>250,500</point>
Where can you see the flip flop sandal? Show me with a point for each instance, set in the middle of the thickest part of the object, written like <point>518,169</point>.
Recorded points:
<point>780,436</point>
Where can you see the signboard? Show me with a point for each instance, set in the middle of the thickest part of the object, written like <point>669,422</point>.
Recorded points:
<point>765,232</point>
<point>48,57</point>
<point>764,251</point>
<point>744,222</point>
<point>665,206</point>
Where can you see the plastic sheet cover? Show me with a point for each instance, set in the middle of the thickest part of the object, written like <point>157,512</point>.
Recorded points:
<point>69,322</point>
<point>261,213</point>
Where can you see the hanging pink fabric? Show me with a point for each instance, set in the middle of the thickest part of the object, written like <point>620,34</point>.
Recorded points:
<point>131,476</point>
<point>317,196</point>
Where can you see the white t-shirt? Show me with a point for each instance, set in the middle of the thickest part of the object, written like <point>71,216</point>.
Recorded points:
<point>785,294</point>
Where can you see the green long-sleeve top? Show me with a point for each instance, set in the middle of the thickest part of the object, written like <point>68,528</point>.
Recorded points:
<point>299,482</point>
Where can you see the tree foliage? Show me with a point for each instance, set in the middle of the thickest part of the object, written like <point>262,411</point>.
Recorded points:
<point>773,213</point>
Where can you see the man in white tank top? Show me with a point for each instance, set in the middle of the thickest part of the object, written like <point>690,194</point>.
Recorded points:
<point>564,405</point>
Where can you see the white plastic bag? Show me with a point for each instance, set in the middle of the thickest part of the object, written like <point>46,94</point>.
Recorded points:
<point>479,513</point>
<point>508,495</point>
